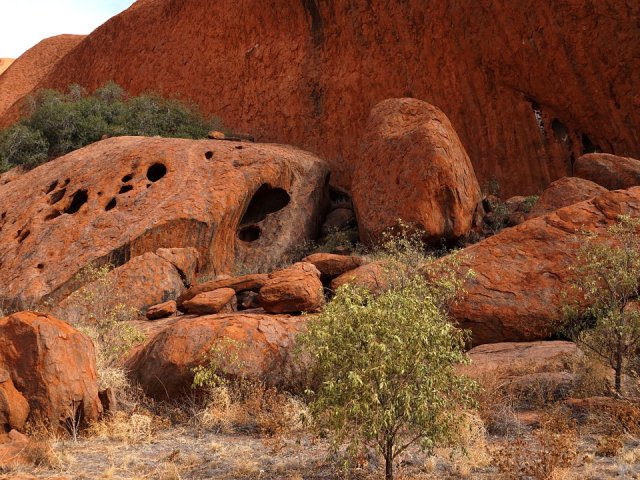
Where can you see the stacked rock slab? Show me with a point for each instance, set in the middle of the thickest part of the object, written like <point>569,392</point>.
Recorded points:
<point>236,204</point>
<point>412,167</point>
<point>610,171</point>
<point>565,192</point>
<point>523,274</point>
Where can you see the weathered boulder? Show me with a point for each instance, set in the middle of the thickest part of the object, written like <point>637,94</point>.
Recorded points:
<point>522,273</point>
<point>413,167</point>
<point>294,289</point>
<point>162,310</point>
<point>331,265</point>
<point>164,366</point>
<point>14,408</point>
<point>525,83</point>
<point>338,220</point>
<point>526,369</point>
<point>251,282</point>
<point>143,281</point>
<point>372,276</point>
<point>565,192</point>
<point>120,198</point>
<point>52,365</point>
<point>610,171</point>
<point>215,301</point>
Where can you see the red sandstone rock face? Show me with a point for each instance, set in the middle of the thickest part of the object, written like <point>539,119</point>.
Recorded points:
<point>565,192</point>
<point>610,171</point>
<point>294,289</point>
<point>413,167</point>
<point>123,197</point>
<point>307,73</point>
<point>164,367</point>
<point>31,67</point>
<point>215,301</point>
<point>52,365</point>
<point>14,408</point>
<point>162,310</point>
<point>331,265</point>
<point>5,63</point>
<point>522,272</point>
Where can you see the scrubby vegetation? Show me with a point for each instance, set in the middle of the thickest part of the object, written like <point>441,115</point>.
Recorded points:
<point>57,123</point>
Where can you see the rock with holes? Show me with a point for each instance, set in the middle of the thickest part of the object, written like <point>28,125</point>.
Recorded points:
<point>256,345</point>
<point>610,171</point>
<point>331,265</point>
<point>52,365</point>
<point>14,408</point>
<point>413,167</point>
<point>294,289</point>
<point>523,273</point>
<point>142,282</point>
<point>565,192</point>
<point>215,301</point>
<point>239,205</point>
<point>372,276</point>
<point>162,310</point>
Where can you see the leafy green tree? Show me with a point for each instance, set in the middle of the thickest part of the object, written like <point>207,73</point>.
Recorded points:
<point>385,367</point>
<point>607,280</point>
<point>21,145</point>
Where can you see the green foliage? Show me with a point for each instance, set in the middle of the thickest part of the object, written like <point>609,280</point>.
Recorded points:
<point>58,123</point>
<point>221,360</point>
<point>607,279</point>
<point>104,317</point>
<point>529,203</point>
<point>386,367</point>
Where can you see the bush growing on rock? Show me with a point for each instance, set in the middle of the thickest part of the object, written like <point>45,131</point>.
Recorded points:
<point>58,123</point>
<point>608,278</point>
<point>385,366</point>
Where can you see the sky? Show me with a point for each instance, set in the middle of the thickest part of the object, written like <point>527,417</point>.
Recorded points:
<point>23,23</point>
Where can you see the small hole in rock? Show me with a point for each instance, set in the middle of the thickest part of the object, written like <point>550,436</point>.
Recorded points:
<point>126,188</point>
<point>559,130</point>
<point>588,146</point>
<point>40,266</point>
<point>79,199</point>
<point>127,178</point>
<point>22,235</point>
<point>238,147</point>
<point>66,182</point>
<point>156,172</point>
<point>249,234</point>
<point>57,196</point>
<point>208,155</point>
<point>148,185</point>
<point>52,215</point>
<point>52,187</point>
<point>111,205</point>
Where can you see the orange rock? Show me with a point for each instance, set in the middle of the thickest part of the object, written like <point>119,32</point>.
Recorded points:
<point>120,198</point>
<point>565,192</point>
<point>5,63</point>
<point>52,365</point>
<point>331,265</point>
<point>216,135</point>
<point>215,301</point>
<point>164,367</point>
<point>162,310</point>
<point>522,273</point>
<point>32,66</point>
<point>251,282</point>
<point>525,84</point>
<point>372,276</point>
<point>413,167</point>
<point>14,408</point>
<point>610,171</point>
<point>294,289</point>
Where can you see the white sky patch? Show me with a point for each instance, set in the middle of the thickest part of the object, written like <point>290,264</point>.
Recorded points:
<point>23,23</point>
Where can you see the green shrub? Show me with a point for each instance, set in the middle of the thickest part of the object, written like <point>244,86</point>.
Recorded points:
<point>385,368</point>
<point>58,123</point>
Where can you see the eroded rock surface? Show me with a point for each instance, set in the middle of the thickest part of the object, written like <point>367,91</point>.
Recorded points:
<point>565,192</point>
<point>610,171</point>
<point>291,290</point>
<point>123,197</point>
<point>412,167</point>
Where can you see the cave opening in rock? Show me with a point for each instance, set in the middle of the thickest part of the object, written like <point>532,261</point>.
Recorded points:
<point>52,187</point>
<point>125,189</point>
<point>111,205</point>
<point>79,199</point>
<point>560,131</point>
<point>208,155</point>
<point>127,178</point>
<point>265,201</point>
<point>588,146</point>
<point>249,234</point>
<point>57,196</point>
<point>156,172</point>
